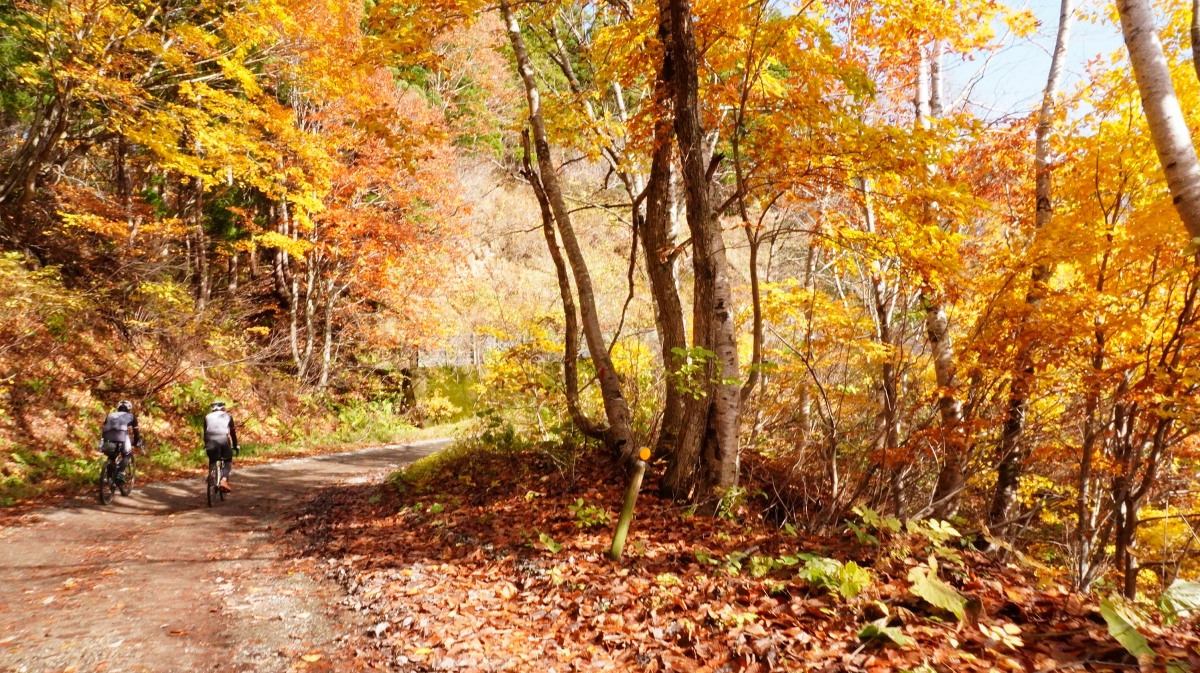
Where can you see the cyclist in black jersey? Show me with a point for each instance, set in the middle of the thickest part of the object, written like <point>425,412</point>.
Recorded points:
<point>119,435</point>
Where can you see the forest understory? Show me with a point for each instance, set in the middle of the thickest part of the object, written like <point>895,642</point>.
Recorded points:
<point>489,560</point>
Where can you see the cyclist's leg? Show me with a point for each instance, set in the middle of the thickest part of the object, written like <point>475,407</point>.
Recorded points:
<point>110,450</point>
<point>213,453</point>
<point>226,461</point>
<point>126,450</point>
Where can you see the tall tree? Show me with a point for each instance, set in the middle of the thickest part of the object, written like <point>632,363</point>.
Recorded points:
<point>618,433</point>
<point>1011,453</point>
<point>658,245</point>
<point>951,477</point>
<point>706,457</point>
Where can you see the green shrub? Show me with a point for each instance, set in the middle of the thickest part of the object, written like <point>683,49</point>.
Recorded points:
<point>420,473</point>
<point>457,385</point>
<point>436,409</point>
<point>842,579</point>
<point>589,516</point>
<point>375,421</point>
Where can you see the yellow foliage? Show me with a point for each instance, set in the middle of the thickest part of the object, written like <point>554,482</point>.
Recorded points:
<point>297,248</point>
<point>96,224</point>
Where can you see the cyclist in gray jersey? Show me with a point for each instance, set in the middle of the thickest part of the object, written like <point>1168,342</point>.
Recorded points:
<point>119,434</point>
<point>220,441</point>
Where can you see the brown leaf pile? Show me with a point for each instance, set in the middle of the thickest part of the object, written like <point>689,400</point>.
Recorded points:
<point>484,568</point>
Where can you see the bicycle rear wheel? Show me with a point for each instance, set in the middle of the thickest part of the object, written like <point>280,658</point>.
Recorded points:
<point>211,484</point>
<point>107,488</point>
<point>127,485</point>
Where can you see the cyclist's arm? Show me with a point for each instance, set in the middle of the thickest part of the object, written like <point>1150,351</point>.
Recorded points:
<point>233,435</point>
<point>137,436</point>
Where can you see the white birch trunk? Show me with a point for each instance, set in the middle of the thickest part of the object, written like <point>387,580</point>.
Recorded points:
<point>1168,128</point>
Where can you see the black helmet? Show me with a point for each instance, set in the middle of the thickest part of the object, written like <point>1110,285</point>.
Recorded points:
<point>124,405</point>
<point>217,406</point>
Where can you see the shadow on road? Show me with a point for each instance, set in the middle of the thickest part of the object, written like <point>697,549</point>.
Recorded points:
<point>255,487</point>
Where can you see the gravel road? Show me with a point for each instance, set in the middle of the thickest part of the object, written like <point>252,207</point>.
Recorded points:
<point>158,581</point>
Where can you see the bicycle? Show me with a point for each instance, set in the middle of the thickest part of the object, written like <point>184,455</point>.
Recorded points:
<point>109,485</point>
<point>213,482</point>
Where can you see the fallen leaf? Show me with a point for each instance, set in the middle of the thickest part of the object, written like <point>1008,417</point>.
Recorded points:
<point>310,658</point>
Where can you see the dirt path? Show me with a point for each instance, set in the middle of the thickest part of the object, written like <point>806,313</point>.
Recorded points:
<point>160,582</point>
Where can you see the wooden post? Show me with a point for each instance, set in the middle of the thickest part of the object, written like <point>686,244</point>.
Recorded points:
<point>631,494</point>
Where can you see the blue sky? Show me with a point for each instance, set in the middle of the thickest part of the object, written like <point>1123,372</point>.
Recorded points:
<point>1014,77</point>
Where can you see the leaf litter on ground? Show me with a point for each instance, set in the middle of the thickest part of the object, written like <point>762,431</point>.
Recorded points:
<point>482,565</point>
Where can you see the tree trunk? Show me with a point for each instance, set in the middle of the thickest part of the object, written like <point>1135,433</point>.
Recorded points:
<point>753,240</point>
<point>1168,127</point>
<point>888,442</point>
<point>712,420</point>
<point>952,476</point>
<point>279,260</point>
<point>883,307</point>
<point>19,180</point>
<point>233,275</point>
<point>1194,30</point>
<point>195,210</point>
<point>570,314</point>
<point>294,330</point>
<point>408,380</point>
<point>1011,453</point>
<point>310,308</point>
<point>332,293</point>
<point>202,290</point>
<point>654,228</point>
<point>293,294</point>
<point>659,246</point>
<point>121,173</point>
<point>1085,529</point>
<point>619,434</point>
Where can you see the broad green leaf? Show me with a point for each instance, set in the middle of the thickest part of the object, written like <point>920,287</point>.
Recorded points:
<point>879,629</point>
<point>926,584</point>
<point>1180,599</point>
<point>1124,632</point>
<point>551,546</point>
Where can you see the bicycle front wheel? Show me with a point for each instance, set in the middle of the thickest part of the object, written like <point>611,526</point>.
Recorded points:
<point>107,490</point>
